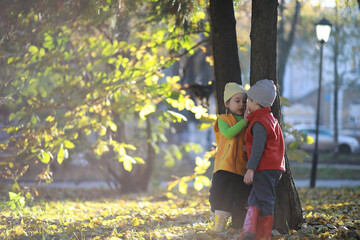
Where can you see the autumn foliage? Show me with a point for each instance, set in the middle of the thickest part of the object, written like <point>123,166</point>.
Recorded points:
<point>102,214</point>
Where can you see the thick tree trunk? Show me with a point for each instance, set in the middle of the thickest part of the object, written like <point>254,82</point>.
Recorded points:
<point>288,213</point>
<point>224,45</point>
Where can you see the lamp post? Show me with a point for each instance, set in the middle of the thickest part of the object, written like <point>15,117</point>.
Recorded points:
<point>323,29</point>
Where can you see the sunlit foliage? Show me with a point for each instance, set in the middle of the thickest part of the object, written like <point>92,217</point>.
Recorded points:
<point>89,77</point>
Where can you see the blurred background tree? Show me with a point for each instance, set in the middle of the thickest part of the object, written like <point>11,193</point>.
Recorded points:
<point>86,77</point>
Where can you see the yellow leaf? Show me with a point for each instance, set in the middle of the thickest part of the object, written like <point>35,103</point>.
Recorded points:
<point>112,125</point>
<point>198,185</point>
<point>309,140</point>
<point>44,157</point>
<point>177,117</point>
<point>183,187</point>
<point>15,187</point>
<point>146,110</point>
<point>139,160</point>
<point>127,164</point>
<point>60,155</point>
<point>19,230</point>
<point>135,222</point>
<point>102,130</point>
<point>49,119</point>
<point>204,126</point>
<point>28,195</point>
<point>172,184</point>
<point>68,144</point>
<point>10,60</point>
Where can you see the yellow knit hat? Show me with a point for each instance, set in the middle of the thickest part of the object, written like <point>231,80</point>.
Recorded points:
<point>231,89</point>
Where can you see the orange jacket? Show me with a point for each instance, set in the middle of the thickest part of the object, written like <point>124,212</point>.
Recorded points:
<point>230,155</point>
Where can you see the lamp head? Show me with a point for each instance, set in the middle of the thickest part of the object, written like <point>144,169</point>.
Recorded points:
<point>323,29</point>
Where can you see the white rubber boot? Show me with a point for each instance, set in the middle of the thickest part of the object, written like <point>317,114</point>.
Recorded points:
<point>221,218</point>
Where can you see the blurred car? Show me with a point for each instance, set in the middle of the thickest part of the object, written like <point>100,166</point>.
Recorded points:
<point>346,144</point>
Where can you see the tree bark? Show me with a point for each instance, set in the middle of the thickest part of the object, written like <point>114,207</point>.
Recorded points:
<point>288,213</point>
<point>146,171</point>
<point>224,46</point>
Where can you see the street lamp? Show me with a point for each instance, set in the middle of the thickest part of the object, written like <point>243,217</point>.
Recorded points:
<point>323,29</point>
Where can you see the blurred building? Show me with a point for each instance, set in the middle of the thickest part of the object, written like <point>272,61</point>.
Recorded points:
<point>301,86</point>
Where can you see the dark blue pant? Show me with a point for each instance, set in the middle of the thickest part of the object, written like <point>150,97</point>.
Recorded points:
<point>262,194</point>
<point>228,192</point>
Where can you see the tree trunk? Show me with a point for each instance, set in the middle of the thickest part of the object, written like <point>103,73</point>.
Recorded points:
<point>144,176</point>
<point>336,78</point>
<point>288,213</point>
<point>285,43</point>
<point>225,50</point>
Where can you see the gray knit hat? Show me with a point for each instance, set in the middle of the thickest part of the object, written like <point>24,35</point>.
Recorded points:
<point>263,92</point>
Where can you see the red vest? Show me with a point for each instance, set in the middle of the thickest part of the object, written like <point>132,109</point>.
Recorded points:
<point>273,155</point>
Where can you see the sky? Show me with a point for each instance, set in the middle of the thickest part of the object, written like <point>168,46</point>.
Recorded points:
<point>326,3</point>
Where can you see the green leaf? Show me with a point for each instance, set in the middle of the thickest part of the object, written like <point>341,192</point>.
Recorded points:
<point>13,195</point>
<point>294,145</point>
<point>10,60</point>
<point>33,119</point>
<point>33,49</point>
<point>42,52</point>
<point>16,187</point>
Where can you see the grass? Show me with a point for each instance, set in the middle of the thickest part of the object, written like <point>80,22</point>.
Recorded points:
<point>325,169</point>
<point>340,158</point>
<point>302,172</point>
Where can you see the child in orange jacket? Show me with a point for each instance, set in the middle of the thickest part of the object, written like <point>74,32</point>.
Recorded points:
<point>228,193</point>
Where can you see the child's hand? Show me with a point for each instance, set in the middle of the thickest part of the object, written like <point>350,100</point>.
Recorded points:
<point>248,178</point>
<point>246,114</point>
<point>244,148</point>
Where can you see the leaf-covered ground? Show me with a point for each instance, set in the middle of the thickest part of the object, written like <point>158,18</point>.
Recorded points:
<point>102,214</point>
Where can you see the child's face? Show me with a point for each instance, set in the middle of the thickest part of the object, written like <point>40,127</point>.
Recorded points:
<point>237,104</point>
<point>252,106</point>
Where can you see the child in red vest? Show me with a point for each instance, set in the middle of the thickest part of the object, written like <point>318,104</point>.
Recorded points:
<point>265,150</point>
<point>229,193</point>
